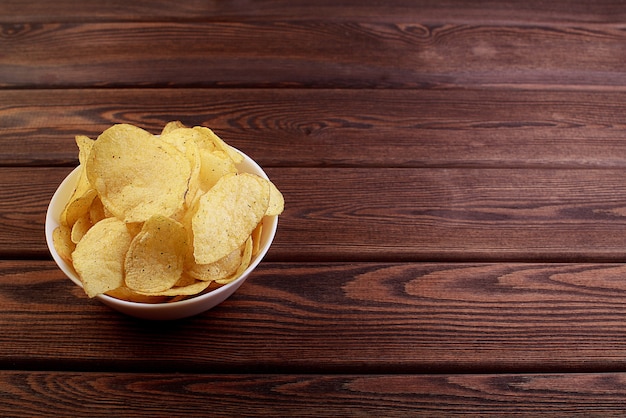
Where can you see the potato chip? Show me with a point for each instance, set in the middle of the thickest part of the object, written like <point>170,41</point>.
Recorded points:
<point>62,241</point>
<point>219,269</point>
<point>227,214</point>
<point>256,238</point>
<point>132,296</point>
<point>134,228</point>
<point>83,192</point>
<point>192,289</point>
<point>246,257</point>
<point>182,137</point>
<point>156,256</point>
<point>186,141</point>
<point>204,139</point>
<point>84,144</point>
<point>277,202</point>
<point>79,205</point>
<point>214,166</point>
<point>96,211</point>
<point>80,228</point>
<point>184,280</point>
<point>192,153</point>
<point>136,174</point>
<point>219,143</point>
<point>170,126</point>
<point>99,256</point>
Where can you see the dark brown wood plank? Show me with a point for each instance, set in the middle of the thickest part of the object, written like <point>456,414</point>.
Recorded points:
<point>126,395</point>
<point>326,318</point>
<point>309,54</point>
<point>24,198</point>
<point>392,10</point>
<point>452,214</point>
<point>345,128</point>
<point>399,214</point>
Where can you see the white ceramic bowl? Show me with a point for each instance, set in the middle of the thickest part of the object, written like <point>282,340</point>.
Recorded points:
<point>159,311</point>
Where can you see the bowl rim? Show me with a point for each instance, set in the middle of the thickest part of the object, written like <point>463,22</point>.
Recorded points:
<point>55,207</point>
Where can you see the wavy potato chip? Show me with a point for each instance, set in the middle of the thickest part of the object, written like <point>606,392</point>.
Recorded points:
<point>181,138</point>
<point>99,256</point>
<point>80,228</point>
<point>192,153</point>
<point>246,257</point>
<point>256,238</point>
<point>62,241</point>
<point>79,204</point>
<point>136,174</point>
<point>170,126</point>
<point>227,214</point>
<point>218,143</point>
<point>83,193</point>
<point>185,280</point>
<point>214,166</point>
<point>188,290</point>
<point>84,144</point>
<point>220,269</point>
<point>96,211</point>
<point>155,259</point>
<point>132,296</point>
<point>277,202</point>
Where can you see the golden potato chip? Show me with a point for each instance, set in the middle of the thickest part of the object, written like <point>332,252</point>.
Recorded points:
<point>84,147</point>
<point>125,293</point>
<point>80,228</point>
<point>99,256</point>
<point>192,289</point>
<point>277,202</point>
<point>256,238</point>
<point>182,137</point>
<point>134,228</point>
<point>170,126</point>
<point>227,214</point>
<point>246,257</point>
<point>192,152</point>
<point>204,139</point>
<point>62,241</point>
<point>136,174</point>
<point>219,143</point>
<point>96,211</point>
<point>184,280</point>
<point>219,269</point>
<point>186,141</point>
<point>83,192</point>
<point>78,205</point>
<point>214,165</point>
<point>156,256</point>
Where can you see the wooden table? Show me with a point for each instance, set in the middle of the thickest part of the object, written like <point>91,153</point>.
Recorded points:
<point>454,238</point>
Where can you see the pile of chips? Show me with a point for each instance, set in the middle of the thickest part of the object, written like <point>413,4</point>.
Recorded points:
<point>156,218</point>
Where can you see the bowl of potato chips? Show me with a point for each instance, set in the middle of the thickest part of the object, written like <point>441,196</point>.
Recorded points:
<point>162,226</point>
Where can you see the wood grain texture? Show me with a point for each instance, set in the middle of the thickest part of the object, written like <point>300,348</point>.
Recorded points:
<point>24,199</point>
<point>373,318</point>
<point>309,54</point>
<point>431,11</point>
<point>452,214</point>
<point>399,214</point>
<point>343,128</point>
<point>30,394</point>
